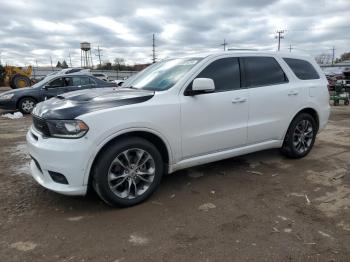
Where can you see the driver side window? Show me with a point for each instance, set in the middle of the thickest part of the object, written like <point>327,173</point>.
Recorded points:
<point>225,73</point>
<point>58,82</point>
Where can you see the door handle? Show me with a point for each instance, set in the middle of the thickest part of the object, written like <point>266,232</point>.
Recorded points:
<point>293,93</point>
<point>239,100</point>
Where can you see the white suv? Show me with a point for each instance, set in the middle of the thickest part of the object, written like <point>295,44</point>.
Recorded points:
<point>176,114</point>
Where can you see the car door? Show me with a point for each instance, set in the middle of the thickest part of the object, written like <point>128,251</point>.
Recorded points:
<point>53,88</point>
<point>215,121</point>
<point>273,98</point>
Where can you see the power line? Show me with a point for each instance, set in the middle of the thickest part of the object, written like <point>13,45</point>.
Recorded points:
<point>224,44</point>
<point>279,36</point>
<point>153,49</point>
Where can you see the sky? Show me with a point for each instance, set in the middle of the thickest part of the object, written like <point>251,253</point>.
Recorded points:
<point>33,32</point>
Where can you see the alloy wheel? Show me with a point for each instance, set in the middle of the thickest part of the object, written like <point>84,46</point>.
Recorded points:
<point>131,173</point>
<point>303,136</point>
<point>27,106</point>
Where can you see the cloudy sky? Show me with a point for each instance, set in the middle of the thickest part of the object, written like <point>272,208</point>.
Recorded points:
<point>37,30</point>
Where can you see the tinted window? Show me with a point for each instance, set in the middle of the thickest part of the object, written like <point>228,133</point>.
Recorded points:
<point>224,72</point>
<point>84,81</point>
<point>302,69</point>
<point>262,71</point>
<point>56,83</point>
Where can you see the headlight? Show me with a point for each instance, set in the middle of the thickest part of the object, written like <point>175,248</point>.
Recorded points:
<point>6,97</point>
<point>67,128</point>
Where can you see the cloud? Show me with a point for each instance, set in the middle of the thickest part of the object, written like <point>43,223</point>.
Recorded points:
<point>40,30</point>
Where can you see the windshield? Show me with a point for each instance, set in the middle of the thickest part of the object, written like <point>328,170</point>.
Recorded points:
<point>162,75</point>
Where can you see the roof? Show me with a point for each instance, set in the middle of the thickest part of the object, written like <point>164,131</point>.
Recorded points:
<point>251,52</point>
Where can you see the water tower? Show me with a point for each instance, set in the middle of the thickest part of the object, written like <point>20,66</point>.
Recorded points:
<point>85,54</point>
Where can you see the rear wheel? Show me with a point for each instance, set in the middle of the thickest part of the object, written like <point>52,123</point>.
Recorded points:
<point>128,172</point>
<point>300,136</point>
<point>26,105</point>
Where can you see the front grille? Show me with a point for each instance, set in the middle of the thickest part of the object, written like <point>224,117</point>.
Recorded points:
<point>41,125</point>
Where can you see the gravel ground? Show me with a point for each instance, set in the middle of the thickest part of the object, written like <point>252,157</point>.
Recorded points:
<point>258,207</point>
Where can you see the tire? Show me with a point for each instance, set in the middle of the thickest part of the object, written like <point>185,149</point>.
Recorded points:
<point>346,102</point>
<point>299,141</point>
<point>26,105</point>
<point>19,81</point>
<point>116,182</point>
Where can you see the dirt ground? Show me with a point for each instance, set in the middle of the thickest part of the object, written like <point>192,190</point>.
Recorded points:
<point>258,207</point>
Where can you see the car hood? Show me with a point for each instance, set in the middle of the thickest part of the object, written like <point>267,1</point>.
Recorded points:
<point>20,91</point>
<point>73,104</point>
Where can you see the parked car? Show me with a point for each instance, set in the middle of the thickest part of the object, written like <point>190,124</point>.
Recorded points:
<point>101,76</point>
<point>176,114</point>
<point>25,99</point>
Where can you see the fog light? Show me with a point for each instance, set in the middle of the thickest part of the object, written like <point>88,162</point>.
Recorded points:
<point>58,178</point>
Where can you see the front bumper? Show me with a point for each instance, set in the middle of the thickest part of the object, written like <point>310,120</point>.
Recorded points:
<point>67,157</point>
<point>9,104</point>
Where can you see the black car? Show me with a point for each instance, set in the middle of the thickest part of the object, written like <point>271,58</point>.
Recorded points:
<point>26,98</point>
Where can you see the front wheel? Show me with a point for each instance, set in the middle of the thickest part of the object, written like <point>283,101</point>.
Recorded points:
<point>26,105</point>
<point>127,172</point>
<point>300,136</point>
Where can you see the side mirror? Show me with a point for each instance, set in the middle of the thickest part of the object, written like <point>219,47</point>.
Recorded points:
<point>46,87</point>
<point>201,86</point>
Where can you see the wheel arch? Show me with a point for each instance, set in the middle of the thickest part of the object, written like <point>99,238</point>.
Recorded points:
<point>156,139</point>
<point>309,110</point>
<point>26,96</point>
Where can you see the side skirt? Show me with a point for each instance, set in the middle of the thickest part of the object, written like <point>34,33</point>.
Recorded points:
<point>216,156</point>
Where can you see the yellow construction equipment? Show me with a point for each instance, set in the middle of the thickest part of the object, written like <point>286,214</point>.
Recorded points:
<point>15,77</point>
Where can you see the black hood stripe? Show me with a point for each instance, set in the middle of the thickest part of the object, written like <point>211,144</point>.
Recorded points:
<point>71,108</point>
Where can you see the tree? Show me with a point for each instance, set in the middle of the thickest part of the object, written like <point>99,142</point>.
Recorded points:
<point>64,64</point>
<point>345,56</point>
<point>323,58</point>
<point>118,63</point>
<point>59,64</point>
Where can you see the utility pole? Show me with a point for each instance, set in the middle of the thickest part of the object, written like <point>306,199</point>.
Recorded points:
<point>99,51</point>
<point>153,50</point>
<point>333,54</point>
<point>70,59</point>
<point>51,62</point>
<point>224,44</point>
<point>290,48</point>
<point>279,36</point>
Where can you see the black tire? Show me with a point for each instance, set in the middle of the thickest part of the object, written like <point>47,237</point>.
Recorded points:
<point>100,180</point>
<point>24,105</point>
<point>15,80</point>
<point>289,148</point>
<point>346,102</point>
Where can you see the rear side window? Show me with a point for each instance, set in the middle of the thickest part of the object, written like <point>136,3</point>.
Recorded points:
<point>302,69</point>
<point>262,71</point>
<point>224,72</point>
